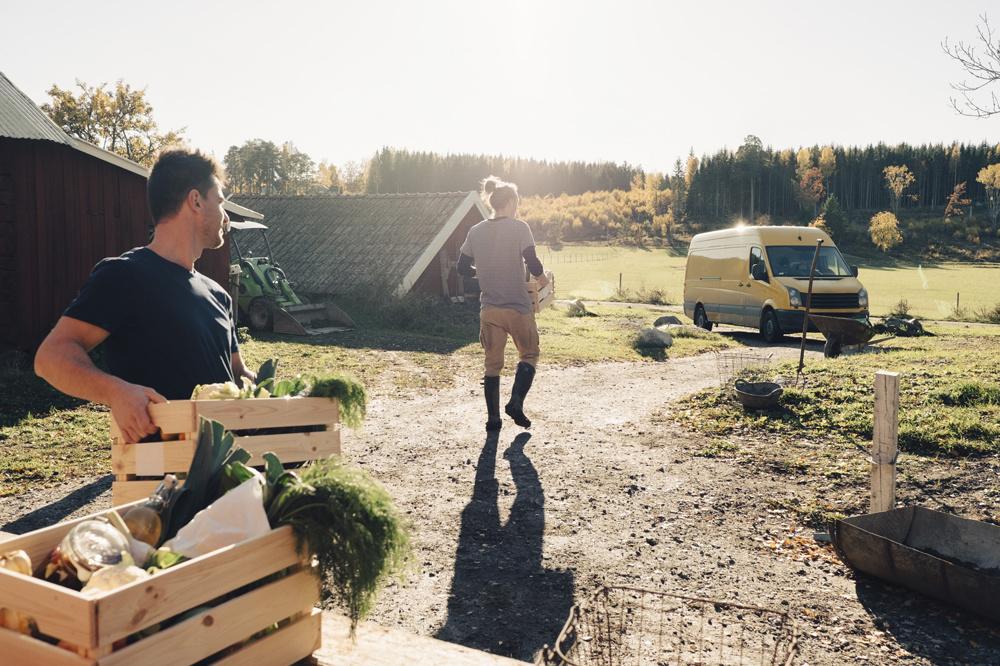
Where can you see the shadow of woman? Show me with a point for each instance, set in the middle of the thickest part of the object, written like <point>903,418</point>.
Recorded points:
<point>502,600</point>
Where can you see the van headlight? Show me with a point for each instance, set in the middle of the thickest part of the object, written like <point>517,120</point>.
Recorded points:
<point>863,298</point>
<point>794,297</point>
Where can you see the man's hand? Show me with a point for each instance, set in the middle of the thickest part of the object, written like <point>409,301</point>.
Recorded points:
<point>129,407</point>
<point>541,280</point>
<point>240,370</point>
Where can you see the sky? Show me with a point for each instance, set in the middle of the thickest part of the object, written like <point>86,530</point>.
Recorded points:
<point>627,81</point>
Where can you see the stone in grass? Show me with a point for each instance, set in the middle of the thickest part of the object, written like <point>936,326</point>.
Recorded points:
<point>687,331</point>
<point>666,319</point>
<point>655,338</point>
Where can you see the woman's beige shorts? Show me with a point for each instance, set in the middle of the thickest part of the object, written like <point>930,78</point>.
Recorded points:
<point>495,324</point>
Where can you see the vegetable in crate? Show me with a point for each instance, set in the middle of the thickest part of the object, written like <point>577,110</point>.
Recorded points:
<point>349,392</point>
<point>19,562</point>
<point>347,521</point>
<point>202,484</point>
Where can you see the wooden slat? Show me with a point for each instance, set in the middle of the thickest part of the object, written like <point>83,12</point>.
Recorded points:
<point>39,544</point>
<point>127,492</point>
<point>285,646</point>
<point>383,646</point>
<point>19,649</point>
<point>227,624</point>
<point>59,611</point>
<point>268,412</point>
<point>293,447</point>
<point>159,458</point>
<point>139,605</point>
<point>152,458</point>
<point>175,416</point>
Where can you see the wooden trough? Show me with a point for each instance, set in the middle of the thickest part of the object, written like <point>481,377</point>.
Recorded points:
<point>221,604</point>
<point>952,559</point>
<point>296,429</point>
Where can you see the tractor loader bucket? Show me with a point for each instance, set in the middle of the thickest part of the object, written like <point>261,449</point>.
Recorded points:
<point>311,319</point>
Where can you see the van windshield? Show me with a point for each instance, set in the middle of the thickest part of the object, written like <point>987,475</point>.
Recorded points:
<point>795,260</point>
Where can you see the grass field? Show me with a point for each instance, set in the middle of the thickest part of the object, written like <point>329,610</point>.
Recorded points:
<point>48,438</point>
<point>592,272</point>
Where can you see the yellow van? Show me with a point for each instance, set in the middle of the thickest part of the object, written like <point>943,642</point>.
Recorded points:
<point>759,277</point>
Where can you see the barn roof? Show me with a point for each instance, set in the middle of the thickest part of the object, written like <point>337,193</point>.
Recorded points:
<point>332,244</point>
<point>20,118</point>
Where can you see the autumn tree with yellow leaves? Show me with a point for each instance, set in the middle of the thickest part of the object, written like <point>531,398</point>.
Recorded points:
<point>990,178</point>
<point>884,231</point>
<point>897,179</point>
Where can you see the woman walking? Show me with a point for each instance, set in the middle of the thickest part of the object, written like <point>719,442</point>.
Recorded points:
<point>497,251</point>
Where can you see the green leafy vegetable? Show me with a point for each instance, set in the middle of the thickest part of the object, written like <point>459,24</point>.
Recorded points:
<point>212,453</point>
<point>265,377</point>
<point>349,392</point>
<point>348,521</point>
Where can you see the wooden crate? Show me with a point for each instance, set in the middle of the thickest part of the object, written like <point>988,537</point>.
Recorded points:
<point>138,468</point>
<point>544,297</point>
<point>195,587</point>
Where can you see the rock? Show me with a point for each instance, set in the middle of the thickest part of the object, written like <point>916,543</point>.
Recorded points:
<point>578,309</point>
<point>655,337</point>
<point>666,319</point>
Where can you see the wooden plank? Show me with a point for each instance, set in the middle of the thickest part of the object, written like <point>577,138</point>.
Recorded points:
<point>19,649</point>
<point>152,458</point>
<point>134,607</point>
<point>59,611</point>
<point>127,492</point>
<point>39,544</point>
<point>885,434</point>
<point>383,646</point>
<point>227,624</point>
<point>175,416</point>
<point>286,646</point>
<point>268,412</point>
<point>293,447</point>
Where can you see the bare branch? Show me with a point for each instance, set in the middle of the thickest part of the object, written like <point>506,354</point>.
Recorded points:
<point>983,66</point>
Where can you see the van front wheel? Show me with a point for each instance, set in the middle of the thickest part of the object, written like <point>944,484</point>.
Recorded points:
<point>701,319</point>
<point>770,330</point>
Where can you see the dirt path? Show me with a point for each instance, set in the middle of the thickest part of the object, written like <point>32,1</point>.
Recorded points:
<point>509,531</point>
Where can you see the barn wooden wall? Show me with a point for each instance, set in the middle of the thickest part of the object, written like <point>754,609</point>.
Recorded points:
<point>62,211</point>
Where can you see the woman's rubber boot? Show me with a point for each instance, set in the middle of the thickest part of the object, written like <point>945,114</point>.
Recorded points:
<point>522,384</point>
<point>491,389</point>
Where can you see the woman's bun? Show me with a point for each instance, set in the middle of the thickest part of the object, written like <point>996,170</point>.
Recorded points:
<point>490,186</point>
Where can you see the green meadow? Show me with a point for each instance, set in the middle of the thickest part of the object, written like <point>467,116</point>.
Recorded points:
<point>593,272</point>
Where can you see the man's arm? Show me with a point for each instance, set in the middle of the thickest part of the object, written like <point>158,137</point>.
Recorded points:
<point>63,361</point>
<point>240,370</point>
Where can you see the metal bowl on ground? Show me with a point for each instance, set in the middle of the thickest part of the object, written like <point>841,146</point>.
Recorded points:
<point>758,395</point>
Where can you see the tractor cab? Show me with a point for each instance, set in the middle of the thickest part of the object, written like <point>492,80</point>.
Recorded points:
<point>265,296</point>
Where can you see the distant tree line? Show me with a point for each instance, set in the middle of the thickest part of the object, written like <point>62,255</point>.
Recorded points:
<point>755,180</point>
<point>393,170</point>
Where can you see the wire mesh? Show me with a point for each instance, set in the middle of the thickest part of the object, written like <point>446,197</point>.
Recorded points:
<point>624,626</point>
<point>734,363</point>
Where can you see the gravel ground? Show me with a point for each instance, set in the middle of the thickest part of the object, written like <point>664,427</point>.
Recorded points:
<point>509,531</point>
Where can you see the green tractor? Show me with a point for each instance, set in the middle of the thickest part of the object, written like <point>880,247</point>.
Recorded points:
<point>265,297</point>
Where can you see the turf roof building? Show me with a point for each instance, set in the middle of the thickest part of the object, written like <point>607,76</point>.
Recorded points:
<point>339,244</point>
<point>65,204</point>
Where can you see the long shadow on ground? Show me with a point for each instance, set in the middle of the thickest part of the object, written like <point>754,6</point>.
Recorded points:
<point>502,600</point>
<point>51,514</point>
<point>937,632</point>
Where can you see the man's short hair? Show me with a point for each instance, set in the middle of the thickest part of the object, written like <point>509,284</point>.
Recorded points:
<point>174,175</point>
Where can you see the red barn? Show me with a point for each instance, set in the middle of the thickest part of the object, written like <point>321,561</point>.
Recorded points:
<point>64,205</point>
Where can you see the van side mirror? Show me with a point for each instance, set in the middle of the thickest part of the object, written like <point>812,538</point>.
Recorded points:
<point>854,271</point>
<point>759,272</point>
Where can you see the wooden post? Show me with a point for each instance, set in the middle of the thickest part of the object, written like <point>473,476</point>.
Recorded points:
<point>884,438</point>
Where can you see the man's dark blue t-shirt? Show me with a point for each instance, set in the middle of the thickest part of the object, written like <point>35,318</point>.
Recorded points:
<point>170,328</point>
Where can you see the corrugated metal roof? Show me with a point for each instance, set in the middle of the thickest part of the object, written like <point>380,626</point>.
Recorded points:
<point>333,244</point>
<point>20,118</point>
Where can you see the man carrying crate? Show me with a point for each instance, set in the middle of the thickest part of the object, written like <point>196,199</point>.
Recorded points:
<point>496,252</point>
<point>168,327</point>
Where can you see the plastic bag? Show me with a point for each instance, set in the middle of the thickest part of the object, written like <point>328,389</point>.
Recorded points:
<point>236,516</point>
